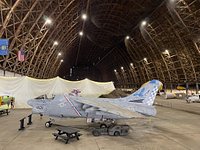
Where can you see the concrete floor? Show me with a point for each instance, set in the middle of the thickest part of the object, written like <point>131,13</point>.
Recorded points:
<point>171,129</point>
<point>179,104</point>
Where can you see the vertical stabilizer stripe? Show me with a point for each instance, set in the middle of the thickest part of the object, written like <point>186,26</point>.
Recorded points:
<point>77,112</point>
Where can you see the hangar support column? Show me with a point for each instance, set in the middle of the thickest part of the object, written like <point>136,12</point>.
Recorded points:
<point>171,87</point>
<point>187,88</point>
<point>197,88</point>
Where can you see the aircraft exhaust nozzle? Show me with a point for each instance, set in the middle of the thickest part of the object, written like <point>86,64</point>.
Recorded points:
<point>91,109</point>
<point>85,106</point>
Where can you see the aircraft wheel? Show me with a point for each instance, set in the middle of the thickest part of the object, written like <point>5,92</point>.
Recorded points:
<point>116,133</point>
<point>188,101</point>
<point>95,133</point>
<point>103,126</point>
<point>7,112</point>
<point>48,124</point>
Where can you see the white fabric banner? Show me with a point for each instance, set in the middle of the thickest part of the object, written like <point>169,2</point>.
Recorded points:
<point>25,88</point>
<point>1,73</point>
<point>9,74</point>
<point>17,75</point>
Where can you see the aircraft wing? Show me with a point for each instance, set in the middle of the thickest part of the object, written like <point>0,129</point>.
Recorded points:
<point>109,107</point>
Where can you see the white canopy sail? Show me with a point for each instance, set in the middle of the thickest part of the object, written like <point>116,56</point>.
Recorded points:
<point>25,88</point>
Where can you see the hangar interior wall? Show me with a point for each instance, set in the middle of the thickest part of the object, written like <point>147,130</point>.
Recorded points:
<point>25,88</point>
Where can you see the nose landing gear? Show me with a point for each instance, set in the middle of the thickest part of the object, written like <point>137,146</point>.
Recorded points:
<point>49,123</point>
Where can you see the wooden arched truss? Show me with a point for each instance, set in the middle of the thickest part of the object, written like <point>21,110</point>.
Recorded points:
<point>167,47</point>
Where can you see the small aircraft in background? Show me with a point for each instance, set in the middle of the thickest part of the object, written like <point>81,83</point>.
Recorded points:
<point>136,105</point>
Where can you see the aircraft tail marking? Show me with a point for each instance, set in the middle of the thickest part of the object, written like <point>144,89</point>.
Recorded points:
<point>146,94</point>
<point>149,99</point>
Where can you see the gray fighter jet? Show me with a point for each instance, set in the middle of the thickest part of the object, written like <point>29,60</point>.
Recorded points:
<point>136,105</point>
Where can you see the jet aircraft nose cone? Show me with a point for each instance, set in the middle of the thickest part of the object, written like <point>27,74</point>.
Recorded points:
<point>31,102</point>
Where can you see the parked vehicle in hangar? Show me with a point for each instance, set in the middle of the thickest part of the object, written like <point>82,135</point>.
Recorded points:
<point>114,130</point>
<point>193,98</point>
<point>5,101</point>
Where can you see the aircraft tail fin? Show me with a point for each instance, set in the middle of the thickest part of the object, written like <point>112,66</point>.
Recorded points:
<point>150,97</point>
<point>146,94</point>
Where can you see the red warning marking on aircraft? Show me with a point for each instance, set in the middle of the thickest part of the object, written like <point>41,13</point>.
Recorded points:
<point>72,106</point>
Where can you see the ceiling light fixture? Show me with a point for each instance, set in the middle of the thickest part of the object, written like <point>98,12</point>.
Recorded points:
<point>84,16</point>
<point>55,43</point>
<point>144,23</point>
<point>81,33</point>
<point>48,21</point>
<point>127,37</point>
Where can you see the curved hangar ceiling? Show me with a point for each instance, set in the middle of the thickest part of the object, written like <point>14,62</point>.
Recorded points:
<point>124,41</point>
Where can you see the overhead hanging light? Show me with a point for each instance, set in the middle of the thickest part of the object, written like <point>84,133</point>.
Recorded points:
<point>55,43</point>
<point>144,23</point>
<point>127,37</point>
<point>48,21</point>
<point>81,33</point>
<point>166,51</point>
<point>84,16</point>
